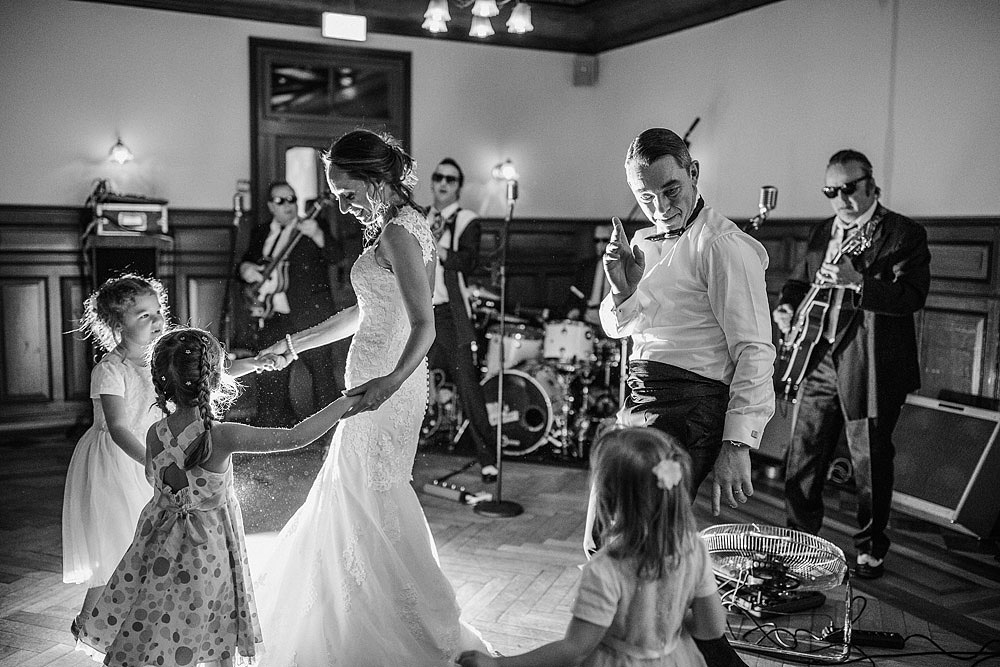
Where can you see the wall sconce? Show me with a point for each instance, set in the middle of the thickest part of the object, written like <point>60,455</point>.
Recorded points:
<point>120,153</point>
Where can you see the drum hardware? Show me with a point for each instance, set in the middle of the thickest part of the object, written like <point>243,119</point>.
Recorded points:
<point>569,342</point>
<point>443,415</point>
<point>521,342</point>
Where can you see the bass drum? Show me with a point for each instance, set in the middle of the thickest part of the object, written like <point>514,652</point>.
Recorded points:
<point>534,399</point>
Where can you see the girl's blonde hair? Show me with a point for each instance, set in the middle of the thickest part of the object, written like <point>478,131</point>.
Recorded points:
<point>187,371</point>
<point>640,478</point>
<point>104,310</point>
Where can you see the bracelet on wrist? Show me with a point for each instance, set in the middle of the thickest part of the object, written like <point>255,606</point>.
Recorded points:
<point>291,348</point>
<point>737,444</point>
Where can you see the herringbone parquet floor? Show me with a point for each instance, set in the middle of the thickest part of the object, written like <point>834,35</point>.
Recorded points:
<point>515,578</point>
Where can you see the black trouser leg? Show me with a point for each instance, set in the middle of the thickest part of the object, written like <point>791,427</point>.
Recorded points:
<point>696,423</point>
<point>274,407</point>
<point>454,355</point>
<point>872,454</point>
<point>814,439</point>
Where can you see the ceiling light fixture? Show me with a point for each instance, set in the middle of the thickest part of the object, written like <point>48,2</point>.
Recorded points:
<point>437,16</point>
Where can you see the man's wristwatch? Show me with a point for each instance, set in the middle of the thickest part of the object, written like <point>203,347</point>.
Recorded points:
<point>736,443</point>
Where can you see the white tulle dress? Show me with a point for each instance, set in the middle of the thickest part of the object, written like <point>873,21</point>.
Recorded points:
<point>354,579</point>
<point>105,489</point>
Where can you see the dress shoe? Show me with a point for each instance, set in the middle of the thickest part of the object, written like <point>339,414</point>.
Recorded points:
<point>869,567</point>
<point>489,474</point>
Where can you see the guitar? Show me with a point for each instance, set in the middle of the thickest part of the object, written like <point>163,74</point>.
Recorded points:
<point>797,349</point>
<point>260,295</point>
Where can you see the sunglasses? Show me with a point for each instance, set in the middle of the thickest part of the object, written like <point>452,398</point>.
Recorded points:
<point>278,201</point>
<point>831,191</point>
<point>450,180</point>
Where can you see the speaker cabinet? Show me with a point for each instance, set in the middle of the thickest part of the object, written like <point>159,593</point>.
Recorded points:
<point>948,464</point>
<point>108,256</point>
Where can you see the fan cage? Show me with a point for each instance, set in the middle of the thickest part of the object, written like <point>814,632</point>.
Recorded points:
<point>816,563</point>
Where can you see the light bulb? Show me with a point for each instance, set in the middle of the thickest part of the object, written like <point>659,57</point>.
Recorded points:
<point>434,25</point>
<point>481,27</point>
<point>520,19</point>
<point>437,10</point>
<point>485,8</point>
<point>120,153</point>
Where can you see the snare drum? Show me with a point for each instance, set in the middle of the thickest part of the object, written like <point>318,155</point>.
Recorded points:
<point>569,342</point>
<point>521,342</point>
<point>534,398</point>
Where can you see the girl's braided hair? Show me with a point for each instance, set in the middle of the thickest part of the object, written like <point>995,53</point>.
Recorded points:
<point>187,371</point>
<point>104,310</point>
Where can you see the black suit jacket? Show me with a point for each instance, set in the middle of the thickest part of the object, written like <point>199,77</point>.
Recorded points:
<point>876,352</point>
<point>310,298</point>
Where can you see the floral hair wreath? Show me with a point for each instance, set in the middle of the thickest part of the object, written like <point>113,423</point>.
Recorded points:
<point>668,473</point>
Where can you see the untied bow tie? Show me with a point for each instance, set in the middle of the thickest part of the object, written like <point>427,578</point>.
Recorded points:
<point>676,233</point>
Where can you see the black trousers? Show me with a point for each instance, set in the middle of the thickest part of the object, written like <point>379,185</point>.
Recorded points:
<point>453,355</point>
<point>820,419</point>
<point>685,405</point>
<point>682,404</point>
<point>276,404</point>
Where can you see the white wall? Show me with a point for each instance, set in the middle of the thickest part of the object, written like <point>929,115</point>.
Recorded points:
<point>781,88</point>
<point>778,90</point>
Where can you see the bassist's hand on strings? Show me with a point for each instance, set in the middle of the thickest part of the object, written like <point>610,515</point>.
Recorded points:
<point>251,273</point>
<point>842,274</point>
<point>782,316</point>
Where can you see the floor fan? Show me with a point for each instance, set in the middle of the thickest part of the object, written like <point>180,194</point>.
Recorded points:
<point>767,572</point>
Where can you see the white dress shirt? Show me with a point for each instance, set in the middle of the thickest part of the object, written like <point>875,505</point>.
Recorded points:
<point>448,244</point>
<point>701,305</point>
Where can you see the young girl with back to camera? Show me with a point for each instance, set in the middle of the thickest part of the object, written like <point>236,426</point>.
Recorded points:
<point>652,568</point>
<point>182,595</point>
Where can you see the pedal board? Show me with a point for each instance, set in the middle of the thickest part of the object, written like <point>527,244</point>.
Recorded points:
<point>763,604</point>
<point>870,638</point>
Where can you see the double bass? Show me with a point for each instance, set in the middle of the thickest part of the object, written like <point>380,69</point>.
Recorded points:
<point>259,296</point>
<point>797,352</point>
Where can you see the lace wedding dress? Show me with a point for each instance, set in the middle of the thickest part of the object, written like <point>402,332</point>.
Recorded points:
<point>354,579</point>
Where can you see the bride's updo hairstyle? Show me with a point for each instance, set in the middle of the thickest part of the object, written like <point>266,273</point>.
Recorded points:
<point>375,159</point>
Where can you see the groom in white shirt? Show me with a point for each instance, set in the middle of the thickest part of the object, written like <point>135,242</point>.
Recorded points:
<point>690,293</point>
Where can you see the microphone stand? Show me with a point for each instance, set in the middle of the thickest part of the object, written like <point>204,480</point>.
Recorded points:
<point>227,306</point>
<point>498,508</point>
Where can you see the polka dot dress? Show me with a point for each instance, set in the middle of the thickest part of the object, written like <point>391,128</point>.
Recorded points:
<point>181,595</point>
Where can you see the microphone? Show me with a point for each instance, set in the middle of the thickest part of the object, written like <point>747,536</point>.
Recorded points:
<point>768,202</point>
<point>768,198</point>
<point>511,190</point>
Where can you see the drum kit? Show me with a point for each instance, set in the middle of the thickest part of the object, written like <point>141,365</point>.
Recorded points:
<point>560,383</point>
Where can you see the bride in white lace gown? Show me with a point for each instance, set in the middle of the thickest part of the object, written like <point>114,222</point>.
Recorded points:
<point>354,579</point>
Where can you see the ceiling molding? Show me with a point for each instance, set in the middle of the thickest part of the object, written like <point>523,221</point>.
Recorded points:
<point>573,26</point>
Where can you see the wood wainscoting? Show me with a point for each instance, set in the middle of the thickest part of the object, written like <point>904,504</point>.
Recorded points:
<point>45,369</point>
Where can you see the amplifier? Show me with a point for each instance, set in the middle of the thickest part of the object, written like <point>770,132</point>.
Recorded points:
<point>128,219</point>
<point>947,464</point>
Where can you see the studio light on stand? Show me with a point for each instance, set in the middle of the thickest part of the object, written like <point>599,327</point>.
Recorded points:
<point>498,507</point>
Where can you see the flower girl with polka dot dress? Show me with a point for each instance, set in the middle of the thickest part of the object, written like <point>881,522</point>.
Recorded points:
<point>182,594</point>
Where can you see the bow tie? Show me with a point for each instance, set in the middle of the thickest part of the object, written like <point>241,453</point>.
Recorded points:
<point>676,233</point>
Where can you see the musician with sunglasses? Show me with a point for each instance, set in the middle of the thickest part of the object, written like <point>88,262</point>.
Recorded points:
<point>865,361</point>
<point>458,236</point>
<point>295,295</point>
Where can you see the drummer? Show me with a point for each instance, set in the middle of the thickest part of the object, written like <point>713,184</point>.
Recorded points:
<point>458,234</point>
<point>590,283</point>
